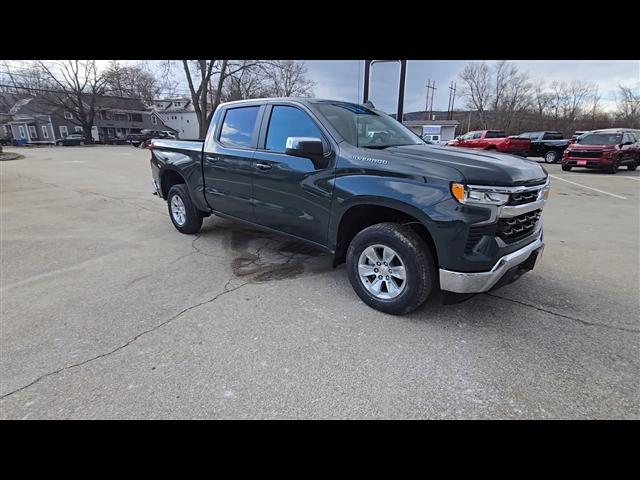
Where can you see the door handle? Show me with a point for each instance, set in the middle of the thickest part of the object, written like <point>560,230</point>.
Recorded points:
<point>211,158</point>
<point>263,166</point>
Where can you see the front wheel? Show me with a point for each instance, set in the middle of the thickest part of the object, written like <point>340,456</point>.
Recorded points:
<point>566,168</point>
<point>183,213</point>
<point>614,166</point>
<point>551,156</point>
<point>391,268</point>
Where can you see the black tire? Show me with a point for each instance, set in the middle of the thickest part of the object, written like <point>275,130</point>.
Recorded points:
<point>614,166</point>
<point>193,219</point>
<point>417,258</point>
<point>135,144</point>
<point>566,168</point>
<point>633,165</point>
<point>551,156</point>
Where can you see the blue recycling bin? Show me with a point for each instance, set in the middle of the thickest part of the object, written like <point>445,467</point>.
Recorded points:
<point>20,142</point>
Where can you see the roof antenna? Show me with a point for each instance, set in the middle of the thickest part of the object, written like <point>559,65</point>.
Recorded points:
<point>368,104</point>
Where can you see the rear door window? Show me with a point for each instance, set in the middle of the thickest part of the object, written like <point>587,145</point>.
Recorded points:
<point>239,126</point>
<point>552,136</point>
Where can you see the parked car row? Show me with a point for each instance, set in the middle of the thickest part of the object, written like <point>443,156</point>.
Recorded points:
<point>606,149</point>
<point>493,140</point>
<point>135,139</point>
<point>143,138</point>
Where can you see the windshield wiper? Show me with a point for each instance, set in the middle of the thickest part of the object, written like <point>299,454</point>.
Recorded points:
<point>382,147</point>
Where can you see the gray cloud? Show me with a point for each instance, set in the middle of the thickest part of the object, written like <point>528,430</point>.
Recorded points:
<point>342,79</point>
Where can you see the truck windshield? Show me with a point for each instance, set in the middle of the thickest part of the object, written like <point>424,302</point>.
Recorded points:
<point>366,128</point>
<point>601,139</point>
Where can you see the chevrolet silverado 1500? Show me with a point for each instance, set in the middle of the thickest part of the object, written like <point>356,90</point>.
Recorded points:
<point>406,217</point>
<point>548,145</point>
<point>493,140</point>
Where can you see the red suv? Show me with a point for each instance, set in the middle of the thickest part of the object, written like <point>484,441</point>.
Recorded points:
<point>603,149</point>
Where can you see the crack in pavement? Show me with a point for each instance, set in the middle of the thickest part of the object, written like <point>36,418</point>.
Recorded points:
<point>197,250</point>
<point>87,192</point>
<point>575,319</point>
<point>129,342</point>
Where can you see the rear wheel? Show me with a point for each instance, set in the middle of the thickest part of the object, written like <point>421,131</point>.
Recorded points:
<point>633,165</point>
<point>551,156</point>
<point>183,213</point>
<point>391,268</point>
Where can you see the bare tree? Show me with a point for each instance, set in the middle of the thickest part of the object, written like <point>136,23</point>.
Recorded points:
<point>206,79</point>
<point>248,83</point>
<point>594,100</point>
<point>541,101</point>
<point>133,81</point>
<point>288,78</point>
<point>628,105</point>
<point>476,89</point>
<point>76,84</point>
<point>574,101</point>
<point>283,78</point>
<point>20,77</point>
<point>512,94</point>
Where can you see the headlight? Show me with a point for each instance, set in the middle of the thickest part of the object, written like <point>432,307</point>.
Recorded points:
<point>544,193</point>
<point>470,196</point>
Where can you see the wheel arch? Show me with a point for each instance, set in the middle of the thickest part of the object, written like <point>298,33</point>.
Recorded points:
<point>363,213</point>
<point>168,178</point>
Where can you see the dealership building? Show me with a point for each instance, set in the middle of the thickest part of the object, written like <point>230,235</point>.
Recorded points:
<point>434,130</point>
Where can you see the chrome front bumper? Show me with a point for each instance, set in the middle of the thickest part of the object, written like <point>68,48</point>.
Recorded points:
<point>477,282</point>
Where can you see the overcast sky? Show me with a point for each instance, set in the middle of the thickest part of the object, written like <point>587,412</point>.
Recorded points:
<point>342,79</point>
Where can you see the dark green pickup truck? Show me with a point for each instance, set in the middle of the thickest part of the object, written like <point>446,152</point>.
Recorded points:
<point>406,217</point>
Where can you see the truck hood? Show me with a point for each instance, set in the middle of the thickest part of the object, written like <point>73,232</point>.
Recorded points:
<point>479,167</point>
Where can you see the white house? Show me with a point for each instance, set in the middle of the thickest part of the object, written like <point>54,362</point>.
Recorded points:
<point>178,113</point>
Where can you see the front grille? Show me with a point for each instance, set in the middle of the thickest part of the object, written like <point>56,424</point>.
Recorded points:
<point>516,228</point>
<point>585,153</point>
<point>523,197</point>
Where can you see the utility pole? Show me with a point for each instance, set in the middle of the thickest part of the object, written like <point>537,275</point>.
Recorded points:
<point>428,107</point>
<point>452,98</point>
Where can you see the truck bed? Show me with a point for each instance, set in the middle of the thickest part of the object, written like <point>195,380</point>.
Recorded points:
<point>178,145</point>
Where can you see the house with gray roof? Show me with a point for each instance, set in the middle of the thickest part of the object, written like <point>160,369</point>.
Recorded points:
<point>36,120</point>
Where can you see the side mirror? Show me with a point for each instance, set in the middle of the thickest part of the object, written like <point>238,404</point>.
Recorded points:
<point>307,147</point>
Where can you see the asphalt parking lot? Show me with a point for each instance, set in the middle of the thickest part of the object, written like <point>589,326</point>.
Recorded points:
<point>108,312</point>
